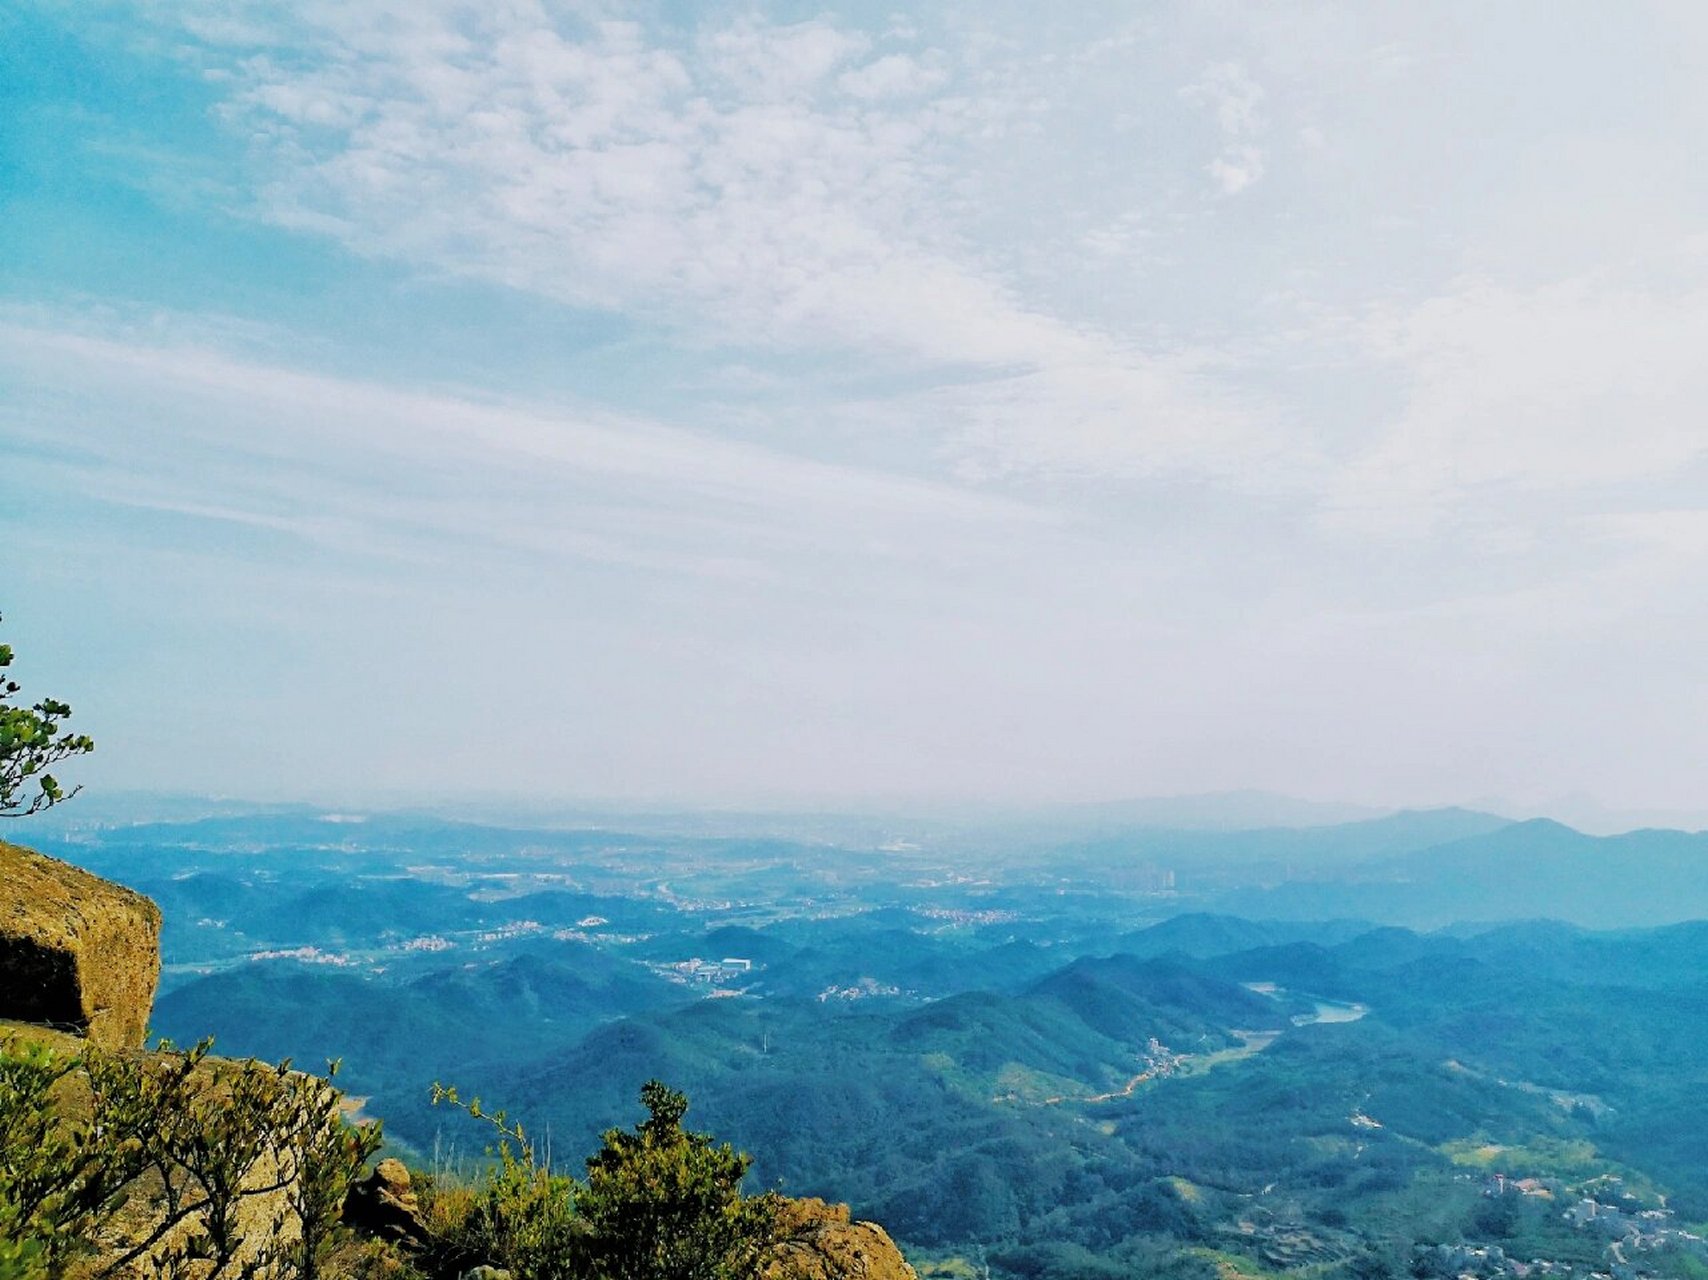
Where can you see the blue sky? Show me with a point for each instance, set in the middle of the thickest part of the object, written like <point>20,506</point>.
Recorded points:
<point>799,403</point>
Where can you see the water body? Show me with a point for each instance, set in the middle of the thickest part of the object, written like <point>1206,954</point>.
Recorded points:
<point>1331,1011</point>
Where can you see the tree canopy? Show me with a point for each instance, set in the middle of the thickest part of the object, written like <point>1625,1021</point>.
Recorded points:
<point>33,738</point>
<point>664,1203</point>
<point>659,1203</point>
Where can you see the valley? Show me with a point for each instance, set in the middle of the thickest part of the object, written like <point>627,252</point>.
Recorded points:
<point>1045,1058</point>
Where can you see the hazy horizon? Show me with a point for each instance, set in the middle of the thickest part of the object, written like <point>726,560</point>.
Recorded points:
<point>767,404</point>
<point>1206,811</point>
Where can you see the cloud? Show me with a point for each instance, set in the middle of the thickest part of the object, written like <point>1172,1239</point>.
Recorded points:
<point>771,187</point>
<point>1587,385</point>
<point>376,470</point>
<point>764,62</point>
<point>1233,95</point>
<point>1236,100</point>
<point>714,183</point>
<point>802,196</point>
<point>895,75</point>
<point>1236,169</point>
<point>970,401</point>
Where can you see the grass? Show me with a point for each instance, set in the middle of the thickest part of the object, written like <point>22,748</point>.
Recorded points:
<point>1251,1042</point>
<point>950,1268</point>
<point>1237,1266</point>
<point>1016,1082</point>
<point>1540,1157</point>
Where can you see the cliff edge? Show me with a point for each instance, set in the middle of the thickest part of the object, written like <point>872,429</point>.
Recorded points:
<point>77,952</point>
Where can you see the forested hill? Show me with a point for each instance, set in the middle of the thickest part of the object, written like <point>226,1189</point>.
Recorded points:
<point>1354,1093</point>
<point>1055,1060</point>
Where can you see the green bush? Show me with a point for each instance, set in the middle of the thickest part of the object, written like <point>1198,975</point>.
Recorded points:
<point>662,1203</point>
<point>198,1147</point>
<point>520,1218</point>
<point>659,1203</point>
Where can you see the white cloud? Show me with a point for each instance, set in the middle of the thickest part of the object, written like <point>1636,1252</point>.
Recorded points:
<point>1584,385</point>
<point>895,75</point>
<point>760,185</point>
<point>1236,100</point>
<point>707,183</point>
<point>1236,169</point>
<point>767,63</point>
<point>1395,444</point>
<point>220,438</point>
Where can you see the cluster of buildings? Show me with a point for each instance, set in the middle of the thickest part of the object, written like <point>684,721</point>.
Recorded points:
<point>1621,1219</point>
<point>430,942</point>
<point>1141,878</point>
<point>305,955</point>
<point>710,973</point>
<point>1630,1228</point>
<point>965,916</point>
<point>512,929</point>
<point>1161,1061</point>
<point>1481,1262</point>
<point>1501,1185</point>
<point>1491,1262</point>
<point>865,989</point>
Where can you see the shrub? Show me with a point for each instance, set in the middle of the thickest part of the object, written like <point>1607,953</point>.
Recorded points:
<point>521,1218</point>
<point>659,1203</point>
<point>663,1203</point>
<point>211,1157</point>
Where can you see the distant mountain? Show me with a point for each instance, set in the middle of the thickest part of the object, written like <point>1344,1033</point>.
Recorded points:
<point>1212,811</point>
<point>1205,859</point>
<point>1201,934</point>
<point>1517,871</point>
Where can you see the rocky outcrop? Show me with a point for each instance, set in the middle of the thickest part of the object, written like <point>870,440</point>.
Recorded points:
<point>819,1242</point>
<point>383,1205</point>
<point>79,962</point>
<point>77,953</point>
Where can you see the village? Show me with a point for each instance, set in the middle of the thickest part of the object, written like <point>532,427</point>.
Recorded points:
<point>708,973</point>
<point>1636,1234</point>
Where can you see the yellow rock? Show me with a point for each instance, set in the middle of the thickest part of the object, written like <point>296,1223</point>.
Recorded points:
<point>819,1242</point>
<point>77,952</point>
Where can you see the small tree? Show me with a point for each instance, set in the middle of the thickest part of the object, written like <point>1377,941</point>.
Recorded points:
<point>662,1203</point>
<point>216,1154</point>
<point>33,738</point>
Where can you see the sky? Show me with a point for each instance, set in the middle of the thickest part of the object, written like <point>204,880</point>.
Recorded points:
<point>737,404</point>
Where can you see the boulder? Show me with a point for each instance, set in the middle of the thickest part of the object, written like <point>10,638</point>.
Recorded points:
<point>383,1205</point>
<point>77,953</point>
<point>818,1241</point>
